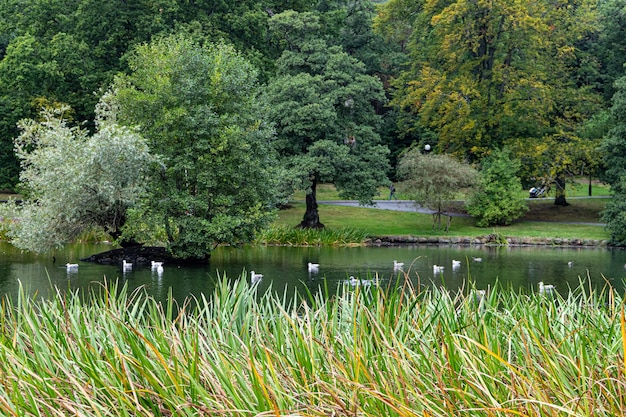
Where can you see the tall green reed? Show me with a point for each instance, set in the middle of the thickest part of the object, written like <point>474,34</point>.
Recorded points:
<point>395,349</point>
<point>297,236</point>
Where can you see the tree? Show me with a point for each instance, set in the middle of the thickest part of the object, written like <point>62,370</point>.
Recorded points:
<point>434,180</point>
<point>321,103</point>
<point>490,74</point>
<point>609,46</point>
<point>496,202</point>
<point>614,147</point>
<point>73,182</point>
<point>199,108</point>
<point>64,51</point>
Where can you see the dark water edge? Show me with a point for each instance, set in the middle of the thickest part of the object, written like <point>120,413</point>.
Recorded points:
<point>491,239</point>
<point>285,271</point>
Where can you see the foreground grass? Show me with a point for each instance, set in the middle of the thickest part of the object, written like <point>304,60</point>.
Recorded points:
<point>368,351</point>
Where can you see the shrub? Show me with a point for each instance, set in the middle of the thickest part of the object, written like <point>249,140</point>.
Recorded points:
<point>496,203</point>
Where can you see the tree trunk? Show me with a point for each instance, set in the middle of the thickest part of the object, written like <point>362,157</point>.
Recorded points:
<point>559,199</point>
<point>311,219</point>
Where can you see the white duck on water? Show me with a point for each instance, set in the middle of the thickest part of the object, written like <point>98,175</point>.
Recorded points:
<point>254,277</point>
<point>545,289</point>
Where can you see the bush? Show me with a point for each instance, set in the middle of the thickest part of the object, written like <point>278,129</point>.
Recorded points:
<point>496,203</point>
<point>614,214</point>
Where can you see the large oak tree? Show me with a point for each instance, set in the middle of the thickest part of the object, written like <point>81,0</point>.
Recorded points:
<point>322,102</point>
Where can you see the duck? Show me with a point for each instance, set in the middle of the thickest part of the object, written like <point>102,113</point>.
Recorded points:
<point>71,267</point>
<point>456,264</point>
<point>477,259</point>
<point>479,295</point>
<point>127,266</point>
<point>313,267</point>
<point>545,289</point>
<point>438,269</point>
<point>156,264</point>
<point>570,264</point>
<point>159,270</point>
<point>356,281</point>
<point>397,265</point>
<point>254,277</point>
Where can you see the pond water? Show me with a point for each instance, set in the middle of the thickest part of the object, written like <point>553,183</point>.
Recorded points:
<point>287,268</point>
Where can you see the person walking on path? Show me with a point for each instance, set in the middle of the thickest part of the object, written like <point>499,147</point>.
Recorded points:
<point>392,192</point>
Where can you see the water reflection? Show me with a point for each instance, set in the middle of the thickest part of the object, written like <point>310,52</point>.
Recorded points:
<point>286,269</point>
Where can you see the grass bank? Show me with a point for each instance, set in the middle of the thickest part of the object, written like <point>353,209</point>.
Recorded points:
<point>368,351</point>
<point>544,220</point>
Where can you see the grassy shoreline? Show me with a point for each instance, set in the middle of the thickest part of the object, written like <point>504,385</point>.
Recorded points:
<point>580,220</point>
<point>397,351</point>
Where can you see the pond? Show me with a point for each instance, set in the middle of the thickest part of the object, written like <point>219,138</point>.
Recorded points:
<point>286,268</point>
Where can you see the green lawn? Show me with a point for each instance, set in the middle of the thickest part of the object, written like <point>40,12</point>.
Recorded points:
<point>540,222</point>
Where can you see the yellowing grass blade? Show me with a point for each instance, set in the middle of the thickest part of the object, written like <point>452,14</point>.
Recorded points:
<point>623,326</point>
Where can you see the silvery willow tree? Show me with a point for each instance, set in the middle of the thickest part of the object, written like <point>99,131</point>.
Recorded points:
<point>198,107</point>
<point>72,181</point>
<point>322,102</point>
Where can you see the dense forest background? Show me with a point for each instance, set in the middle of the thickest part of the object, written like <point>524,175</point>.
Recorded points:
<point>465,76</point>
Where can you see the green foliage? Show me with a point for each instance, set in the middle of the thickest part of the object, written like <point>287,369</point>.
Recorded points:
<point>614,214</point>
<point>198,107</point>
<point>614,145</point>
<point>73,182</point>
<point>615,141</point>
<point>321,102</point>
<point>608,48</point>
<point>496,203</point>
<point>66,50</point>
<point>484,74</point>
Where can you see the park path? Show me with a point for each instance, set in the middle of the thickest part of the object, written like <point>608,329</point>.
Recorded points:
<point>395,205</point>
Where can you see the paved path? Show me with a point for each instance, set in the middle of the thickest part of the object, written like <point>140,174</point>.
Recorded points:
<point>395,205</point>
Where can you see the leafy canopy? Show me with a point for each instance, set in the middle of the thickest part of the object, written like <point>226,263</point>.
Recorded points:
<point>614,147</point>
<point>434,180</point>
<point>199,108</point>
<point>321,104</point>
<point>483,75</point>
